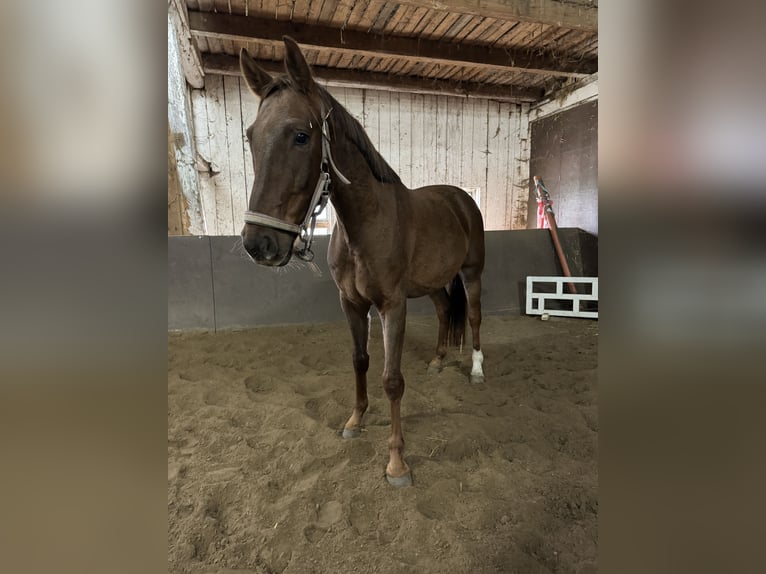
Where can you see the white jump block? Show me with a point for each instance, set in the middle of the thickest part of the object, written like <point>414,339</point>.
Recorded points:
<point>536,301</point>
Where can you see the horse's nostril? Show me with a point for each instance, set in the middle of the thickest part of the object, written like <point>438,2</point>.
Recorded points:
<point>248,242</point>
<point>267,247</point>
<point>261,246</point>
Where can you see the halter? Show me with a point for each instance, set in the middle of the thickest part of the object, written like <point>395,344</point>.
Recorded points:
<point>305,230</point>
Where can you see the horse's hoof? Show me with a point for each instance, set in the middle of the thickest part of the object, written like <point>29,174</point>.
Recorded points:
<point>352,433</point>
<point>475,379</point>
<point>433,370</point>
<point>400,481</point>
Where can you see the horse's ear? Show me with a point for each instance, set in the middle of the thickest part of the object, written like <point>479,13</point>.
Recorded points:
<point>296,65</point>
<point>256,77</point>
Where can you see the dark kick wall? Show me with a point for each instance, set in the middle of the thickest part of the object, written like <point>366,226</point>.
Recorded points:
<point>212,286</point>
<point>564,152</point>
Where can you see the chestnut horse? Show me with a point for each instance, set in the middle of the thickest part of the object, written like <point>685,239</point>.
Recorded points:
<point>390,243</point>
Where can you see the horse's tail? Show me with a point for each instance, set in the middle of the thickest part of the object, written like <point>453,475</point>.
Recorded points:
<point>457,312</point>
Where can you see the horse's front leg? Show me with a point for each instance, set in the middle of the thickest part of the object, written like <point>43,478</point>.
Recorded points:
<point>394,317</point>
<point>359,323</point>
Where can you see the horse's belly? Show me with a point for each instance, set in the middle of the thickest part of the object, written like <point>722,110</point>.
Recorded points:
<point>418,287</point>
<point>415,292</point>
<point>433,269</point>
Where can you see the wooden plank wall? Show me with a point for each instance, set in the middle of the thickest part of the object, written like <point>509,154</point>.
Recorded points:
<point>470,143</point>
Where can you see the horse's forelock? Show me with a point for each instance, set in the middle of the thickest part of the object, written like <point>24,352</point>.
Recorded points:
<point>277,83</point>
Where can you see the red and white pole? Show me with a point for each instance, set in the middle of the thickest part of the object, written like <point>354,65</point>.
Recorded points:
<point>544,208</point>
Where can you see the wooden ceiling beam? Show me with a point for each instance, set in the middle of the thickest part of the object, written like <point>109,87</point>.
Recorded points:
<point>582,15</point>
<point>229,66</point>
<point>244,29</point>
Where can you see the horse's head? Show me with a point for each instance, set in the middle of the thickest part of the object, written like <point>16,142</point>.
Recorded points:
<point>286,144</point>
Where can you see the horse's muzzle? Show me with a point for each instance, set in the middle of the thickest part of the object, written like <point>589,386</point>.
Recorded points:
<point>267,246</point>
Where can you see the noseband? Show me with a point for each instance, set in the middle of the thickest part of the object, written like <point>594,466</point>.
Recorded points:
<point>305,230</point>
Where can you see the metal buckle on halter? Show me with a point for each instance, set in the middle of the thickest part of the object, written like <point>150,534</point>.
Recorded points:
<point>306,235</point>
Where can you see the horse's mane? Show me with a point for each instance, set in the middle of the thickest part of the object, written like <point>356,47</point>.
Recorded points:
<point>347,124</point>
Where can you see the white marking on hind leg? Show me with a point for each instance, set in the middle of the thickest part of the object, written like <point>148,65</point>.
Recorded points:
<point>478,359</point>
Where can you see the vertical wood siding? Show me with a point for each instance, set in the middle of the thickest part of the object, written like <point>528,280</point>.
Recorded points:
<point>470,143</point>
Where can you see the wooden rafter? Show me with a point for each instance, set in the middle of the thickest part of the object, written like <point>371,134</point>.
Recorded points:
<point>242,28</point>
<point>229,66</point>
<point>580,15</point>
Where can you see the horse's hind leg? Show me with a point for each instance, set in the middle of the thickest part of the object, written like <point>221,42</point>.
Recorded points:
<point>441,303</point>
<point>472,282</point>
<point>359,323</point>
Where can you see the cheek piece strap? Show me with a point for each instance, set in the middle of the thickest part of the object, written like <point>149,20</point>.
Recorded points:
<point>305,229</point>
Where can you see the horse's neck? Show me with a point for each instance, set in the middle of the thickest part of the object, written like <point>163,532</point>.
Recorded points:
<point>357,204</point>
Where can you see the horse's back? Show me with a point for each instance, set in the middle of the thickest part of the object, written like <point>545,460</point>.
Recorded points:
<point>450,211</point>
<point>434,198</point>
<point>435,202</point>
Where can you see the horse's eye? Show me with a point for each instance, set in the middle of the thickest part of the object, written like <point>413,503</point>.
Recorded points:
<point>301,138</point>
